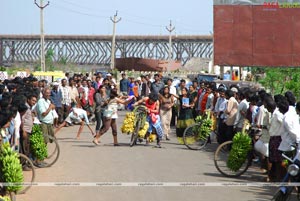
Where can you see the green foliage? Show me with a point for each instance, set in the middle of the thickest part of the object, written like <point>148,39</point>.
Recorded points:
<point>10,168</point>
<point>49,60</point>
<point>239,151</point>
<point>279,80</point>
<point>37,143</point>
<point>63,61</point>
<point>2,68</point>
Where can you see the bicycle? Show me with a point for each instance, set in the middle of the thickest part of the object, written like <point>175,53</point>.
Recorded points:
<point>192,135</point>
<point>222,153</point>
<point>140,113</point>
<point>192,139</point>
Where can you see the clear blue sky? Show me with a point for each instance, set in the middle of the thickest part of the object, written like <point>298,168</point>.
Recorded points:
<point>92,17</point>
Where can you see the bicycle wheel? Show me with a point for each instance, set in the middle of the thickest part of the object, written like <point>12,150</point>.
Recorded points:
<point>221,158</point>
<point>134,135</point>
<point>53,151</point>
<point>28,172</point>
<point>191,137</point>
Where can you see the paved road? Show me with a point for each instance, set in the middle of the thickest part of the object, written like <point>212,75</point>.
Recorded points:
<point>81,161</point>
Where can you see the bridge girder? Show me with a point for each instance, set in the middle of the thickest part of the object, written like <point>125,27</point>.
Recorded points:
<point>96,50</point>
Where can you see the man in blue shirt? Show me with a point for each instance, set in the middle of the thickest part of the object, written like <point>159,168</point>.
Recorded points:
<point>124,84</point>
<point>56,98</point>
<point>157,85</point>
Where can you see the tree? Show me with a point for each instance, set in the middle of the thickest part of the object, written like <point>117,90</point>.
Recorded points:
<point>49,60</point>
<point>279,80</point>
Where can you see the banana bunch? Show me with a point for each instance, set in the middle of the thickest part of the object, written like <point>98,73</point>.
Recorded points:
<point>180,140</point>
<point>143,131</point>
<point>152,137</point>
<point>5,198</point>
<point>128,124</point>
<point>11,168</point>
<point>241,145</point>
<point>204,129</point>
<point>190,140</point>
<point>38,146</point>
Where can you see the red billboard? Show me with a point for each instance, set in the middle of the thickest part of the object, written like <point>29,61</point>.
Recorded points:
<point>256,35</point>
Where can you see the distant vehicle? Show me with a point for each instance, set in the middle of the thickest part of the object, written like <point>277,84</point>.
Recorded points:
<point>103,73</point>
<point>239,84</point>
<point>206,77</point>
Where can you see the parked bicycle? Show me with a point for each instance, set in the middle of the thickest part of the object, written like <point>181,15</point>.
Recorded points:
<point>196,136</point>
<point>222,154</point>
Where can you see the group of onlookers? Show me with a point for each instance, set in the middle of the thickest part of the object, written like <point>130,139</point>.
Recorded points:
<point>83,99</point>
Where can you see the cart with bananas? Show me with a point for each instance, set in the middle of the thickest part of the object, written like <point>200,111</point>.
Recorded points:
<point>135,124</point>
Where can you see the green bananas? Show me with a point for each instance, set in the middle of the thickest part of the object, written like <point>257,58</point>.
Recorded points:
<point>205,128</point>
<point>239,151</point>
<point>10,168</point>
<point>38,146</point>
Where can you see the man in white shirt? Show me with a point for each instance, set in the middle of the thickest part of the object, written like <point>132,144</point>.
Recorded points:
<point>241,113</point>
<point>174,111</point>
<point>77,116</point>
<point>291,127</point>
<point>276,172</point>
<point>66,98</point>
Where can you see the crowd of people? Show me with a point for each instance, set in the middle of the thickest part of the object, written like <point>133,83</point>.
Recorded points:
<point>277,117</point>
<point>82,99</point>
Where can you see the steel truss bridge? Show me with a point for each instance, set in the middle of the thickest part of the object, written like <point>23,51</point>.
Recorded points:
<point>96,50</point>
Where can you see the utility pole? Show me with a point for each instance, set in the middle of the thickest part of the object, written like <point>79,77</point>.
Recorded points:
<point>113,44</point>
<point>170,29</point>
<point>42,6</point>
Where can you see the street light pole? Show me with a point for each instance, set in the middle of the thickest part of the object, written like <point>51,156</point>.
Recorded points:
<point>113,44</point>
<point>170,29</point>
<point>42,6</point>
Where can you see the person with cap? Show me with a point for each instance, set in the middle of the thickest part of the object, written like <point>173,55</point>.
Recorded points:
<point>76,116</point>
<point>124,84</point>
<point>111,80</point>
<point>139,85</point>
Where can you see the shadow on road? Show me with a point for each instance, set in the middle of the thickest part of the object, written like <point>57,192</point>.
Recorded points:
<point>85,145</point>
